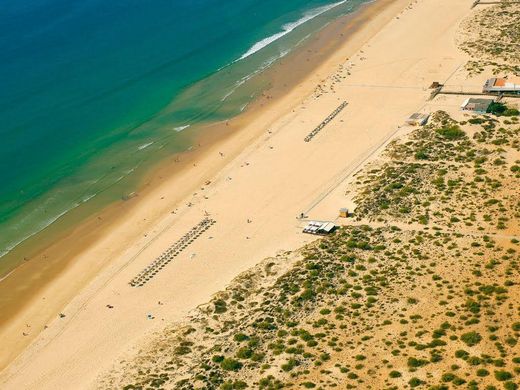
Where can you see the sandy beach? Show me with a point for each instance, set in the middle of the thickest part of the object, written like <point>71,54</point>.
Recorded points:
<point>253,177</point>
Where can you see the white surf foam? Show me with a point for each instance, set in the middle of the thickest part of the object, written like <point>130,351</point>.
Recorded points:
<point>144,146</point>
<point>41,227</point>
<point>45,224</point>
<point>287,28</point>
<point>267,63</point>
<point>180,128</point>
<point>87,198</point>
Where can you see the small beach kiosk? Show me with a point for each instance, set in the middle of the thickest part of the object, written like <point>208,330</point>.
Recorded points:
<point>343,212</point>
<point>418,119</point>
<point>320,228</point>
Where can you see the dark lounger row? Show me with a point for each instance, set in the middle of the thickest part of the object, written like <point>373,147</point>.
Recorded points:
<point>160,262</point>
<point>314,132</point>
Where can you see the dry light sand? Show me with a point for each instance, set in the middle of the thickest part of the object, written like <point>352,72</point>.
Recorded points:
<point>269,177</point>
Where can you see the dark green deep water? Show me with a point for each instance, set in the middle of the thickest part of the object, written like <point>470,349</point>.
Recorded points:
<point>94,92</point>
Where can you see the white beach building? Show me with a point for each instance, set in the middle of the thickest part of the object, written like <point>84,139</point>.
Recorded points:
<point>418,119</point>
<point>502,85</point>
<point>321,228</point>
<point>479,106</point>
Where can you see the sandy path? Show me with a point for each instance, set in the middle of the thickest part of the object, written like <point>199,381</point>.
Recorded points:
<point>270,182</point>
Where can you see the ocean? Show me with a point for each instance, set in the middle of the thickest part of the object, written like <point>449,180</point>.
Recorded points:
<point>93,93</point>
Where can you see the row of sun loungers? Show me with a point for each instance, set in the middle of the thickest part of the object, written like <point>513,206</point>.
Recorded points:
<point>314,132</point>
<point>167,256</point>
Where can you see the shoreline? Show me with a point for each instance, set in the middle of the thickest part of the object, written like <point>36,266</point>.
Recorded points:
<point>279,84</point>
<point>268,173</point>
<point>281,81</point>
<point>59,256</point>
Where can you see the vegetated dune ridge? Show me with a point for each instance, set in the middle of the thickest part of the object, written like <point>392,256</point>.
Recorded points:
<point>419,290</point>
<point>493,45</point>
<point>419,293</point>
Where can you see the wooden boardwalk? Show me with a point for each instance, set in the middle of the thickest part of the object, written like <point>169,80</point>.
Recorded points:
<point>480,2</point>
<point>442,91</point>
<point>495,95</point>
<point>169,254</point>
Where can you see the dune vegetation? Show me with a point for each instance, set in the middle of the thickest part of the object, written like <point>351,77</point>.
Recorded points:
<point>421,291</point>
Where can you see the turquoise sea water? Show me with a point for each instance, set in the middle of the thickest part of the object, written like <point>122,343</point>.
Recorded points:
<point>91,91</point>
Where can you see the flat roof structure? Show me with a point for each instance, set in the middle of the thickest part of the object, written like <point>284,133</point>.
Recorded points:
<point>418,119</point>
<point>476,105</point>
<point>503,84</point>
<point>320,228</point>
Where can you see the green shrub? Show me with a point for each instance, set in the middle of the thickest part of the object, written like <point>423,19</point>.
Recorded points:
<point>471,338</point>
<point>453,132</point>
<point>291,363</point>
<point>458,381</point>
<point>229,364</point>
<point>182,350</point>
<point>496,108</point>
<point>511,112</point>
<point>237,385</point>
<point>239,337</point>
<point>510,386</point>
<point>220,306</point>
<point>244,353</point>
<point>421,155</point>
<point>217,358</point>
<point>414,362</point>
<point>257,357</point>
<point>461,354</point>
<point>414,382</point>
<point>482,372</point>
<point>448,377</point>
<point>503,375</point>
